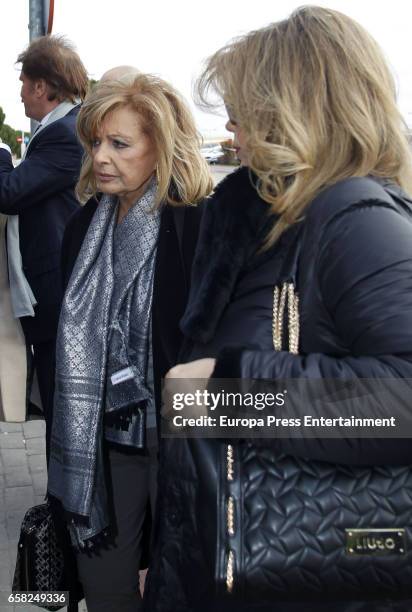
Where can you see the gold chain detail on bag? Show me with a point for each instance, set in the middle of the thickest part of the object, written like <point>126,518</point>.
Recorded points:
<point>280,297</point>
<point>230,515</point>
<point>230,571</point>
<point>229,462</point>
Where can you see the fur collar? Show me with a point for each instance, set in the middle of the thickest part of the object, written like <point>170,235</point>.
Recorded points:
<point>233,227</point>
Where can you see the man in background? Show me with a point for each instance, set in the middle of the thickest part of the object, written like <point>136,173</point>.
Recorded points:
<point>38,197</point>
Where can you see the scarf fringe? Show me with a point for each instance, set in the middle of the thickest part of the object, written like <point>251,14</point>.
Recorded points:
<point>121,418</point>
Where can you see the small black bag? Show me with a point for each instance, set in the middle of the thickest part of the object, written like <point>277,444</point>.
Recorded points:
<point>45,560</point>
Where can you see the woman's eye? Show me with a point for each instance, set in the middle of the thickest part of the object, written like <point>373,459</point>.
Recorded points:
<point>95,143</point>
<point>118,144</point>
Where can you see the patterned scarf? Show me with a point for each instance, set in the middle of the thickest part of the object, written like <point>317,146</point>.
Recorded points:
<point>92,346</point>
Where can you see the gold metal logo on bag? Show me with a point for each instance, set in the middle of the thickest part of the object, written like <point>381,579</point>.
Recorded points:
<point>375,541</point>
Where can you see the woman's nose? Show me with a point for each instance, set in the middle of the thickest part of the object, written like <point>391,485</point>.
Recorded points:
<point>101,154</point>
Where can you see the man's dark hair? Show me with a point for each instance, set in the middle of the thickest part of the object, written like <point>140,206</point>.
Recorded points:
<point>54,59</point>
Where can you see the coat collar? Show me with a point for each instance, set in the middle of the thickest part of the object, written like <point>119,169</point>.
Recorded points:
<point>63,109</point>
<point>233,228</point>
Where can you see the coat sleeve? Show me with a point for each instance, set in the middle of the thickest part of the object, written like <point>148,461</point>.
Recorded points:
<point>53,165</point>
<point>364,274</point>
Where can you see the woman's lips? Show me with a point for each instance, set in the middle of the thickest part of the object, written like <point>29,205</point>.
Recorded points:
<point>105,178</point>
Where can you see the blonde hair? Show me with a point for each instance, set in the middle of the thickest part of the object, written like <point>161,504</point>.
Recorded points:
<point>183,174</point>
<point>316,102</point>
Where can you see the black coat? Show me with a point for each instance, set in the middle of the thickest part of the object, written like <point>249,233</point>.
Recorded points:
<point>41,191</point>
<point>355,284</point>
<point>179,227</point>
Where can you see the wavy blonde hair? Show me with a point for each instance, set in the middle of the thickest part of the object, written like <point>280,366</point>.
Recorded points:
<point>316,102</point>
<point>183,174</point>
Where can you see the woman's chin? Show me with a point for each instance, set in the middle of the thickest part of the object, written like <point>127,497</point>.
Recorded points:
<point>104,187</point>
<point>242,159</point>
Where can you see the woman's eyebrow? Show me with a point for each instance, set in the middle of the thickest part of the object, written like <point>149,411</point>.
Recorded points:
<point>119,135</point>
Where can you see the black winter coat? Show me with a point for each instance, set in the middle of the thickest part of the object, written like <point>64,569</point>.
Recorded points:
<point>355,284</point>
<point>41,191</point>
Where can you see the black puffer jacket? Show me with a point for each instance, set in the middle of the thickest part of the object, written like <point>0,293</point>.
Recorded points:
<point>355,283</point>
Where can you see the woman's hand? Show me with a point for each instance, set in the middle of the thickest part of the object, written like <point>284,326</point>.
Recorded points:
<point>201,368</point>
<point>193,378</point>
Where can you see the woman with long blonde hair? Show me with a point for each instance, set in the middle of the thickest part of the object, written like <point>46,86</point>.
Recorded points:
<point>303,271</point>
<point>126,257</point>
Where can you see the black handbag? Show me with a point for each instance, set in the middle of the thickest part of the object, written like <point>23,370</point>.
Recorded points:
<point>45,561</point>
<point>303,530</point>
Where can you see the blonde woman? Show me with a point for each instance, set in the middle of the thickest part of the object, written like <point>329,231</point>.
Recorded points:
<point>126,260</point>
<point>319,204</point>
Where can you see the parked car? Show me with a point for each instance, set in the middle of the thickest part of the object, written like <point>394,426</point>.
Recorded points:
<point>213,153</point>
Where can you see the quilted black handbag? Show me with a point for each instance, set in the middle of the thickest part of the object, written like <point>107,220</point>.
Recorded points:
<point>45,561</point>
<point>303,530</point>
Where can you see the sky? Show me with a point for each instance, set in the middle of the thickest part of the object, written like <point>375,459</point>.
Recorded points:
<point>172,38</point>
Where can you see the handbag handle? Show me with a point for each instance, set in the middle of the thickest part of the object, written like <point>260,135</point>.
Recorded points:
<point>286,295</point>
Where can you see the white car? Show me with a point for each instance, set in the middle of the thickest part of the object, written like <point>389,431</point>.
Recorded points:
<point>212,154</point>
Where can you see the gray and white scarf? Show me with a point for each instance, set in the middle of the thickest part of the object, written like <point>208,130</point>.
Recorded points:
<point>22,297</point>
<point>92,347</point>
